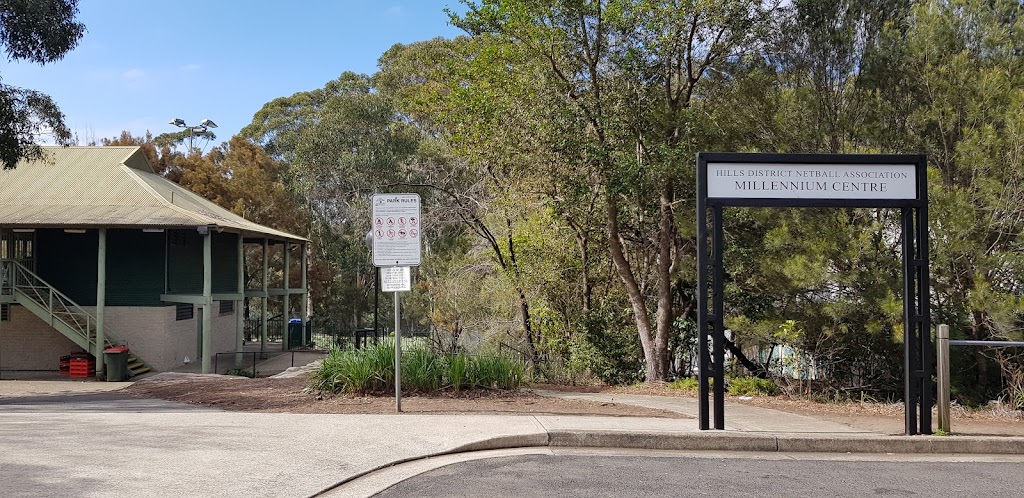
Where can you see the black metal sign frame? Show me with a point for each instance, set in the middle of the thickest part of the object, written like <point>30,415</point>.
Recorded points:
<point>917,358</point>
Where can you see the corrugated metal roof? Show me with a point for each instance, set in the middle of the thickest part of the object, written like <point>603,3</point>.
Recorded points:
<point>108,187</point>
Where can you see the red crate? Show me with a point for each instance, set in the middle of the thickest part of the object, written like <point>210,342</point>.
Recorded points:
<point>81,368</point>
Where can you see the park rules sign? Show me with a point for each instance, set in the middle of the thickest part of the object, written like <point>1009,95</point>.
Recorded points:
<point>731,180</point>
<point>396,229</point>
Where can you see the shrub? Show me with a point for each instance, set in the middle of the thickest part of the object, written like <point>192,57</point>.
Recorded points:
<point>689,384</point>
<point>348,371</point>
<point>497,372</point>
<point>382,360</point>
<point>747,386</point>
<point>458,371</point>
<point>422,370</point>
<point>241,372</point>
<point>373,370</point>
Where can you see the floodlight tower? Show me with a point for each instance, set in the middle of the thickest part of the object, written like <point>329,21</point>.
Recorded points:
<point>201,130</point>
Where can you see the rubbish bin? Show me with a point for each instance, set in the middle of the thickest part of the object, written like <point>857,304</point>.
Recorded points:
<point>116,361</point>
<point>295,333</point>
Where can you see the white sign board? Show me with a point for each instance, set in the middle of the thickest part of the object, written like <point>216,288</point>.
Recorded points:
<point>396,228</point>
<point>811,181</point>
<point>395,279</point>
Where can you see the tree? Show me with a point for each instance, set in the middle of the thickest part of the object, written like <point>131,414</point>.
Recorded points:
<point>160,157</point>
<point>339,143</point>
<point>39,31</point>
<point>630,74</point>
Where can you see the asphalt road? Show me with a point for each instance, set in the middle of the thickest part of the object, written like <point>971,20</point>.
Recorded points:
<point>645,476</point>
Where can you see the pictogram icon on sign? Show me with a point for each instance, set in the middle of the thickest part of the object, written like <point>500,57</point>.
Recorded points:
<point>413,221</point>
<point>401,221</point>
<point>380,234</point>
<point>379,222</point>
<point>391,234</point>
<point>401,233</point>
<point>414,233</point>
<point>391,222</point>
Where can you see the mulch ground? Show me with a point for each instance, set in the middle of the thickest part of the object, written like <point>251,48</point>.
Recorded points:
<point>290,395</point>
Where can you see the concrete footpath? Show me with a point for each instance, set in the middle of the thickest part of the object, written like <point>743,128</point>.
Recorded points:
<point>82,439</point>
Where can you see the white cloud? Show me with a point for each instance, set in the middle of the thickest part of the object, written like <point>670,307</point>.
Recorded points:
<point>133,74</point>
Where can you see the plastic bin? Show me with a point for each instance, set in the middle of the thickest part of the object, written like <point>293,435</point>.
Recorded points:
<point>116,361</point>
<point>296,339</point>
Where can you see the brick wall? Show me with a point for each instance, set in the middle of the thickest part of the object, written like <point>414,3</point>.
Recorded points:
<point>163,342</point>
<point>28,343</point>
<point>152,333</point>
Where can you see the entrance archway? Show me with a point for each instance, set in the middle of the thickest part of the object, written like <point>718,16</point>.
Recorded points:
<point>822,181</point>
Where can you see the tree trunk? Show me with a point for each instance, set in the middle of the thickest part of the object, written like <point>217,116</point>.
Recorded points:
<point>588,286</point>
<point>636,298</point>
<point>524,313</point>
<point>665,317</point>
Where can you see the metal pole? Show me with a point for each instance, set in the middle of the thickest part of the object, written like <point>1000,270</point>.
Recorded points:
<point>286,300</point>
<point>207,342</point>
<point>266,299</point>
<point>376,300</point>
<point>718,305</point>
<point>942,356</point>
<point>306,336</point>
<point>240,304</point>
<point>909,325</point>
<point>703,408</point>
<point>924,329</point>
<point>101,302</point>
<point>398,357</point>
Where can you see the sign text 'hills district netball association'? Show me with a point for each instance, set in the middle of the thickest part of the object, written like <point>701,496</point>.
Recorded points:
<point>897,181</point>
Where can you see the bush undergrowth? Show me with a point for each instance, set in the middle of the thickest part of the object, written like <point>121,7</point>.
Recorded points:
<point>739,386</point>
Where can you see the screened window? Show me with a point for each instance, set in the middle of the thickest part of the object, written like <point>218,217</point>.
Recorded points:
<point>184,312</point>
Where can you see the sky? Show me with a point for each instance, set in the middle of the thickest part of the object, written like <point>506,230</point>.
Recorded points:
<point>143,63</point>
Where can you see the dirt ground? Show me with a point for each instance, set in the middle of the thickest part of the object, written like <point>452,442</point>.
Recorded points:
<point>288,395</point>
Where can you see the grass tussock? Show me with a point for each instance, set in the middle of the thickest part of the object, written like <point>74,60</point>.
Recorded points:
<point>372,370</point>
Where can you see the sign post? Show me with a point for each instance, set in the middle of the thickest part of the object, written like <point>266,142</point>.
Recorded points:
<point>396,247</point>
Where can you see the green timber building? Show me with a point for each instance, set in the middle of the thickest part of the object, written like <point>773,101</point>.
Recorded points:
<point>97,250</point>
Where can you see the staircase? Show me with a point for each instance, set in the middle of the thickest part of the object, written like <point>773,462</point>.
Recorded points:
<point>60,312</point>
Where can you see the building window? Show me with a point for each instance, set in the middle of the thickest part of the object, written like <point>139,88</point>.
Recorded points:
<point>227,307</point>
<point>5,312</point>
<point>184,312</point>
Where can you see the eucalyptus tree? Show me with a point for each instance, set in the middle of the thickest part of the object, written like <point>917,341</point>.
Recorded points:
<point>629,73</point>
<point>38,31</point>
<point>341,143</point>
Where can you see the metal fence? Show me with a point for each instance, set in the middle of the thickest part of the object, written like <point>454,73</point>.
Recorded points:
<point>322,333</point>
<point>262,363</point>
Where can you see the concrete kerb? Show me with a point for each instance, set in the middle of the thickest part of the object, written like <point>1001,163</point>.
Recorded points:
<point>732,441</point>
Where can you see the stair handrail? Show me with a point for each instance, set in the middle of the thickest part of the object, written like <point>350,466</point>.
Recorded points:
<point>6,279</point>
<point>35,282</point>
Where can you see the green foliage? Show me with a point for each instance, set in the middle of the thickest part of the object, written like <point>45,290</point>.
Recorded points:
<point>422,370</point>
<point>39,31</point>
<point>242,372</point>
<point>616,358</point>
<point>498,372</point>
<point>367,370</point>
<point>689,385</point>
<point>555,150</point>
<point>458,371</point>
<point>751,386</point>
<point>347,371</point>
